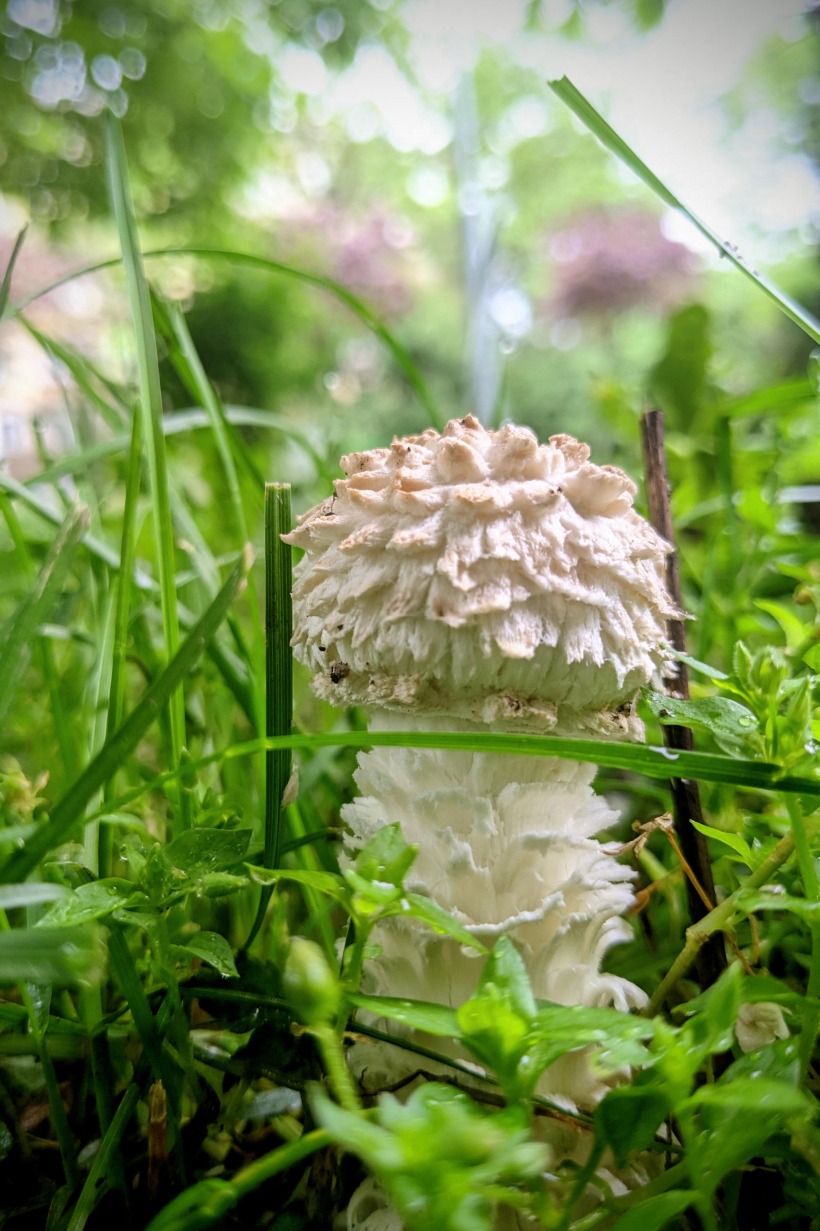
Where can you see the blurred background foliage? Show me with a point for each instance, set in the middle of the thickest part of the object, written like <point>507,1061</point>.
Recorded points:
<point>414,154</point>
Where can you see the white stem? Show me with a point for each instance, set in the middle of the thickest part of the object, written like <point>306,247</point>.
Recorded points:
<point>506,845</point>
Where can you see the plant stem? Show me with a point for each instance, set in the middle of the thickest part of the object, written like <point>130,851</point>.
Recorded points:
<point>698,934</point>
<point>811,889</point>
<point>337,1070</point>
<point>685,792</point>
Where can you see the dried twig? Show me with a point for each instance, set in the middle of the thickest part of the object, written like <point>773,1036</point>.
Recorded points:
<point>686,804</point>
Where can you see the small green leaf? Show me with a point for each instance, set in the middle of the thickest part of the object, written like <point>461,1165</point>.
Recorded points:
<point>441,921</point>
<point>505,970</point>
<point>757,1095</point>
<point>211,948</point>
<point>655,1212</point>
<point>323,882</point>
<point>794,630</point>
<point>812,657</point>
<point>629,1117</point>
<point>732,840</point>
<point>434,1019</point>
<point>96,900</point>
<point>752,900</point>
<point>733,726</point>
<point>386,857</point>
<point>206,850</point>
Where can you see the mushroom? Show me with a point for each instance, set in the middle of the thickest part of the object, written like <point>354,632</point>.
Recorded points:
<point>478,580</point>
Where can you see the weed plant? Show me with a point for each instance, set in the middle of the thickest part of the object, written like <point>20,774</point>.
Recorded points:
<point>174,1013</point>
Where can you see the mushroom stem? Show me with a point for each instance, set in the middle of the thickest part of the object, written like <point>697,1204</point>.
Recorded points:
<point>507,845</point>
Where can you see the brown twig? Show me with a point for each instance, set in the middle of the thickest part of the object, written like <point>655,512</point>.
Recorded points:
<point>686,804</point>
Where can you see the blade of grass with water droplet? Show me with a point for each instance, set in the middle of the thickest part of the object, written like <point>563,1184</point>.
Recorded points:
<point>595,122</point>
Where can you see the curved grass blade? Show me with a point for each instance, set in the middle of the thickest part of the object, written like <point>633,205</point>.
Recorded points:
<point>186,420</point>
<point>645,759</point>
<point>231,669</point>
<point>356,305</point>
<point>206,1203</point>
<point>122,742</point>
<point>5,285</point>
<point>595,122</point>
<point>150,407</point>
<point>20,635</point>
<point>95,1185</point>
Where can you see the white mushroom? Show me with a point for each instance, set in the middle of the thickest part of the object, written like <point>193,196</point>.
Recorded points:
<point>475,580</point>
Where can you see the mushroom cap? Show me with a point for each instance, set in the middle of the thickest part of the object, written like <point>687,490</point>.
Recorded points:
<point>484,576</point>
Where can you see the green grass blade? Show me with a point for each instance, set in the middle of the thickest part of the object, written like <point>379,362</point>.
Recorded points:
<point>113,409</point>
<point>127,561</point>
<point>357,306</point>
<point>183,421</point>
<point>95,1184</point>
<point>21,635</point>
<point>279,661</point>
<point>278,673</point>
<point>596,123</point>
<point>779,399</point>
<point>229,666</point>
<point>207,1203</point>
<point>5,285</point>
<point>64,731</point>
<point>645,759</point>
<point>150,401</point>
<point>122,742</point>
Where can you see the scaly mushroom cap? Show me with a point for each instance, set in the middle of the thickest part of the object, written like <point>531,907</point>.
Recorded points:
<point>482,575</point>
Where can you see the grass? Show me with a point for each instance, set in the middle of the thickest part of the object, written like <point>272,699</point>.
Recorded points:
<point>150,888</point>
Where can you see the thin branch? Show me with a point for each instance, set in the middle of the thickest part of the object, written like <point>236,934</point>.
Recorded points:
<point>686,805</point>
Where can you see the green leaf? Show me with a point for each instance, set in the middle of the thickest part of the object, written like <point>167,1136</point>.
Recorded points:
<point>96,900</point>
<point>794,630</point>
<point>629,1117</point>
<point>732,840</point>
<point>733,726</point>
<point>323,882</point>
<point>434,1019</point>
<point>655,1212</point>
<point>441,921</point>
<point>201,850</point>
<point>757,1095</point>
<point>386,857</point>
<point>812,658</point>
<point>715,1026</point>
<point>752,900</point>
<point>211,948</point>
<point>64,957</point>
<point>596,123</point>
<point>505,970</point>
